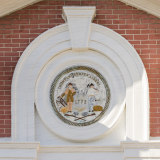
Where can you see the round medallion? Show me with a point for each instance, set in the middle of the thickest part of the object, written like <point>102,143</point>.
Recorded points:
<point>80,95</point>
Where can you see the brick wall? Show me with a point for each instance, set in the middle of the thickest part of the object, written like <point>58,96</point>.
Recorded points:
<point>20,28</point>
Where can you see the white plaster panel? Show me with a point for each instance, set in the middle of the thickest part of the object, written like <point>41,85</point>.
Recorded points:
<point>102,40</point>
<point>18,153</point>
<point>113,138</point>
<point>110,73</point>
<point>80,156</point>
<point>144,153</point>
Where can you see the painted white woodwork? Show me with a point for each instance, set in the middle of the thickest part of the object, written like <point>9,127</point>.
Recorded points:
<point>9,6</point>
<point>118,132</point>
<point>79,23</point>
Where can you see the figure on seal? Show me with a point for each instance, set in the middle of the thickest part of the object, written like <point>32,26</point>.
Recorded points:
<point>91,97</point>
<point>69,92</point>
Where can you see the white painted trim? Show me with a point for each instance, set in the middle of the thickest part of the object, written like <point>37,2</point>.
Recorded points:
<point>9,6</point>
<point>79,149</point>
<point>116,50</point>
<point>149,6</point>
<point>79,23</point>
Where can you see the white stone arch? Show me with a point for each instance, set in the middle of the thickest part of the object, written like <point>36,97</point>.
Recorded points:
<point>114,47</point>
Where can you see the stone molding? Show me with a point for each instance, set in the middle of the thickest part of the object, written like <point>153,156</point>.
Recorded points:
<point>79,23</point>
<point>132,150</point>
<point>130,64</point>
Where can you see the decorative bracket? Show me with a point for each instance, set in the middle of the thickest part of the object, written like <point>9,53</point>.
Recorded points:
<point>79,23</point>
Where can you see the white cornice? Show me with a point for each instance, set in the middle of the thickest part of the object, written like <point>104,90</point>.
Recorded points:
<point>149,6</point>
<point>9,6</point>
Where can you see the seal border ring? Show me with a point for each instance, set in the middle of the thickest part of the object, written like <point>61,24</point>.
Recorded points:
<point>70,69</point>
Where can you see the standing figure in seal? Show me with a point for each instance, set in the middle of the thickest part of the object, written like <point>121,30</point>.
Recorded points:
<point>91,97</point>
<point>70,92</point>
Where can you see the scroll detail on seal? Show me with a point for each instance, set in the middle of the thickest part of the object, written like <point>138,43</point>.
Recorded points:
<point>80,95</point>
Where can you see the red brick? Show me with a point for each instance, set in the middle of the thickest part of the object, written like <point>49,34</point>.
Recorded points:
<point>88,2</point>
<point>140,16</point>
<point>5,58</point>
<point>100,7</point>
<point>56,21</point>
<point>39,12</point>
<point>20,40</point>
<point>42,3</point>
<point>37,30</point>
<point>111,16</point>
<point>20,21</point>
<point>7,130</point>
<point>153,120</point>
<point>148,21</point>
<point>55,12</point>
<point>5,21</point>
<point>119,21</point>
<point>22,12</point>
<point>128,37</point>
<point>47,16</point>
<point>47,7</point>
<point>11,36</point>
<point>12,17</point>
<point>141,26</point>
<point>11,26</point>
<point>5,135</point>
<point>120,31</point>
<point>105,2</point>
<point>148,42</point>
<point>119,11</point>
<point>152,16</point>
<point>112,26</point>
<point>29,16</point>
<point>5,126</point>
<point>7,121</point>
<point>32,7</point>
<point>155,65</point>
<point>154,36</point>
<point>104,12</point>
<point>5,40</point>
<point>132,31</point>
<point>134,42</point>
<point>56,3</point>
<point>100,16</point>
<point>5,31</point>
<point>155,26</point>
<point>47,26</point>
<point>28,26</point>
<point>28,35</point>
<point>141,46</point>
<point>132,11</point>
<point>38,21</point>
<point>104,21</point>
<point>148,31</point>
<point>140,37</point>
<point>118,3</point>
<point>112,7</point>
<point>125,16</point>
<point>5,49</point>
<point>125,7</point>
<point>72,2</point>
<point>155,134</point>
<point>125,26</point>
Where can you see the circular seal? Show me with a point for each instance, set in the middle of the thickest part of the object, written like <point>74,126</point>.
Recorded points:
<point>80,95</point>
